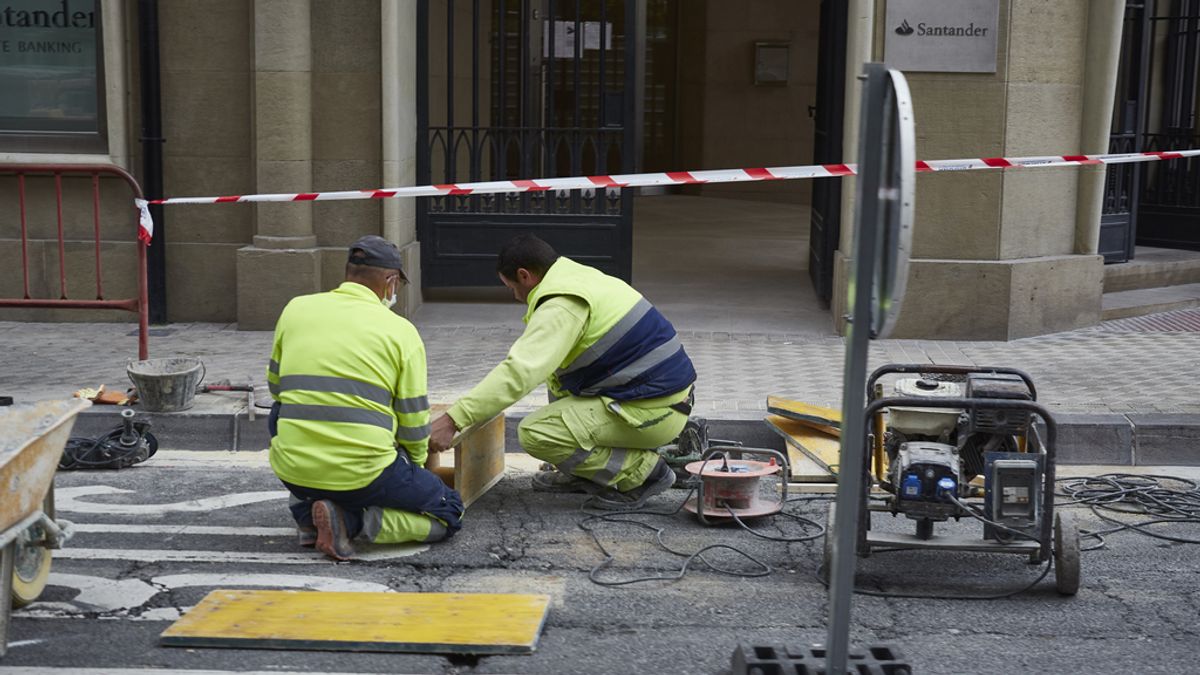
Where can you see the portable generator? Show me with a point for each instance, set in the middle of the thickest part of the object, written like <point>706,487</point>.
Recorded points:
<point>964,441</point>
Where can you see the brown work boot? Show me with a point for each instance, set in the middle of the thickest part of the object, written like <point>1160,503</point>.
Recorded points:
<point>332,539</point>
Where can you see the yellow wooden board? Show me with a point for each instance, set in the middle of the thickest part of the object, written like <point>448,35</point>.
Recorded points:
<point>478,457</point>
<point>814,454</point>
<point>434,623</point>
<point>823,419</point>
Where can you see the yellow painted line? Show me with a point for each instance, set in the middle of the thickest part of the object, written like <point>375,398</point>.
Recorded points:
<point>479,623</point>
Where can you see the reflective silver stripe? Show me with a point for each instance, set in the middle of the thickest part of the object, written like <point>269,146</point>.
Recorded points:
<point>412,433</point>
<point>606,341</point>
<point>568,465</point>
<point>656,356</point>
<point>273,366</point>
<point>611,468</point>
<point>334,413</point>
<point>273,387</point>
<point>336,385</point>
<point>411,405</point>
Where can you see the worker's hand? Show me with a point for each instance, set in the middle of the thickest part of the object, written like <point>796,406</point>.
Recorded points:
<point>442,434</point>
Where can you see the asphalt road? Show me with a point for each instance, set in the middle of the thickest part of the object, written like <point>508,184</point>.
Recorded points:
<point>144,554</point>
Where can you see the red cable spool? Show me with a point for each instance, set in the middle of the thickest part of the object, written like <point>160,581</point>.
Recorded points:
<point>730,487</point>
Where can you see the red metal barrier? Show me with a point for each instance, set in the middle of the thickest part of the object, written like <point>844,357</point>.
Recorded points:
<point>139,304</point>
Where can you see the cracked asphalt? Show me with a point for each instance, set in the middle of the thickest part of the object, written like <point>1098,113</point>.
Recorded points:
<point>1136,611</point>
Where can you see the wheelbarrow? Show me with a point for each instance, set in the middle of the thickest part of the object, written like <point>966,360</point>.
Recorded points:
<point>32,438</point>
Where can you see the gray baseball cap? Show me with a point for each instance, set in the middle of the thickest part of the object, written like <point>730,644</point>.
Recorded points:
<point>376,251</point>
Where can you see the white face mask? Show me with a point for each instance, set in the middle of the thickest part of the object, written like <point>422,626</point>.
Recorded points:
<point>390,301</point>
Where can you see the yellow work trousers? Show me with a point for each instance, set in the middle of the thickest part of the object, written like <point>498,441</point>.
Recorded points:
<point>599,439</point>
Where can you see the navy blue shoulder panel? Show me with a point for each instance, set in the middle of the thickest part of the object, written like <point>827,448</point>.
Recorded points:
<point>650,332</point>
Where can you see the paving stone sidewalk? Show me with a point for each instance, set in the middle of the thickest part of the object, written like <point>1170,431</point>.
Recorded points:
<point>1117,367</point>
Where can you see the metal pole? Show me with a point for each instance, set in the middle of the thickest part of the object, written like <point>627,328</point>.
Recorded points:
<point>858,335</point>
<point>152,163</point>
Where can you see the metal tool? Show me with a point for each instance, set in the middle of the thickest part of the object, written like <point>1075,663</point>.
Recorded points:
<point>225,386</point>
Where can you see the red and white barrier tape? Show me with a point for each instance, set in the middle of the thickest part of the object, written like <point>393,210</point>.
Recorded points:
<point>654,179</point>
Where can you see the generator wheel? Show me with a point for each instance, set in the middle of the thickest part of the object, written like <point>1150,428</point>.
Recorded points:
<point>827,552</point>
<point>1066,553</point>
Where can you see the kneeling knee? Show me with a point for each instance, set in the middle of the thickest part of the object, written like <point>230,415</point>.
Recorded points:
<point>437,531</point>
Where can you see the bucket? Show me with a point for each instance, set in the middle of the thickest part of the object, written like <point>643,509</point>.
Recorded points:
<point>166,385</point>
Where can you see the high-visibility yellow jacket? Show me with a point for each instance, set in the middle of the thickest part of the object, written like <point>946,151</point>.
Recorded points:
<point>628,350</point>
<point>350,376</point>
<point>587,334</point>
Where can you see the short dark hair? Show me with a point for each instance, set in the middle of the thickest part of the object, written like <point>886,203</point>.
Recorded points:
<point>525,251</point>
<point>359,271</point>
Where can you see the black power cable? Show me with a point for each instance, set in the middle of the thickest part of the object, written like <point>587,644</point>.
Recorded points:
<point>760,569</point>
<point>1165,499</point>
<point>106,451</point>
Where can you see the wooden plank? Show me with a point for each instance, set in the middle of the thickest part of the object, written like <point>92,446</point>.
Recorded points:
<point>479,460</point>
<point>823,419</point>
<point>435,623</point>
<point>815,453</point>
<point>478,457</point>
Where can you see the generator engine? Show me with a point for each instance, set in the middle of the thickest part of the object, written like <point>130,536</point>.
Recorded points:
<point>935,453</point>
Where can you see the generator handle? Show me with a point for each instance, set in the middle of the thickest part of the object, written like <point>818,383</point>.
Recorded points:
<point>1049,448</point>
<point>892,368</point>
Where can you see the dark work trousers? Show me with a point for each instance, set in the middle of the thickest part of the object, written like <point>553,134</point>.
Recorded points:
<point>402,486</point>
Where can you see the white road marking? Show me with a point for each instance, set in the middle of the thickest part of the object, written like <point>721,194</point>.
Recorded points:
<point>109,596</point>
<point>97,594</point>
<point>192,556</point>
<point>182,459</point>
<point>24,643</point>
<point>310,582</point>
<point>76,670</point>
<point>248,531</point>
<point>68,499</point>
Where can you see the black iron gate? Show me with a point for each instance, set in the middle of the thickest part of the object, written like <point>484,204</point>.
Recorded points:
<point>524,89</point>
<point>825,226</point>
<point>1156,203</point>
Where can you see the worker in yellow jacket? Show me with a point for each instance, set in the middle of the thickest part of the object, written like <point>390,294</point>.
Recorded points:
<point>348,377</point>
<point>619,380</point>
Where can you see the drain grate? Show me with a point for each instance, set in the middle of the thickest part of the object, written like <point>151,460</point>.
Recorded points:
<point>1179,321</point>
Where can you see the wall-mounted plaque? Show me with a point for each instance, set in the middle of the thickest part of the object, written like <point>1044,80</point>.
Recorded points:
<point>945,36</point>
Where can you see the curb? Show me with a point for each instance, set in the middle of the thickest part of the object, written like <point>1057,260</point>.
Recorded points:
<point>1084,438</point>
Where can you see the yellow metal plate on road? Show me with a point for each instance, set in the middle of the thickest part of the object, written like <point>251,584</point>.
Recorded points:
<point>436,623</point>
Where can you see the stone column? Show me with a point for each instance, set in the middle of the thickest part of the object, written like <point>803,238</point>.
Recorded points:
<point>994,253</point>
<point>283,260</point>
<point>1106,19</point>
<point>399,39</point>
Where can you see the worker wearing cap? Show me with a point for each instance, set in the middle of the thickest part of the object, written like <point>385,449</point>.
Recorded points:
<point>622,380</point>
<point>348,377</point>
